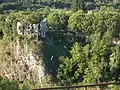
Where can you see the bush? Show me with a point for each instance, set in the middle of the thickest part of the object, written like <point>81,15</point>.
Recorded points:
<point>107,8</point>
<point>6,84</point>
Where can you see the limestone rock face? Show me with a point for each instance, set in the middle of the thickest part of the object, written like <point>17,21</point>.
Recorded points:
<point>21,64</point>
<point>21,57</point>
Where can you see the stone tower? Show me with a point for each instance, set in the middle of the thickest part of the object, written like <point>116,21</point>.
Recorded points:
<point>43,28</point>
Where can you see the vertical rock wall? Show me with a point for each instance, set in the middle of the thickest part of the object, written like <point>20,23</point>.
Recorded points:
<point>21,64</point>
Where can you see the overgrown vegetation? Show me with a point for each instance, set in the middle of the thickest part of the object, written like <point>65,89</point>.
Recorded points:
<point>81,46</point>
<point>6,84</point>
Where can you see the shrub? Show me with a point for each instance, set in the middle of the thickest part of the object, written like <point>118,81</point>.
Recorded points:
<point>6,84</point>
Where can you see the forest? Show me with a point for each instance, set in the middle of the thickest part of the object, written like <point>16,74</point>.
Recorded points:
<point>48,43</point>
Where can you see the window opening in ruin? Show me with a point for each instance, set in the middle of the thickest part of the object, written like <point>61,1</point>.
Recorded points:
<point>29,27</point>
<point>38,26</point>
<point>23,27</point>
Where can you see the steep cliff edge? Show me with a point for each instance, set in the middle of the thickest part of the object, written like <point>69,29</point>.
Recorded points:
<point>19,61</point>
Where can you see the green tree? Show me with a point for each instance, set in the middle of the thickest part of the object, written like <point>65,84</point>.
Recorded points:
<point>115,62</point>
<point>46,10</point>
<point>77,5</point>
<point>72,69</point>
<point>98,28</point>
<point>117,2</point>
<point>57,20</point>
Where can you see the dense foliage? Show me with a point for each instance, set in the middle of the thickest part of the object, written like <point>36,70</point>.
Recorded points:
<point>75,5</point>
<point>80,47</point>
<point>90,62</point>
<point>6,84</point>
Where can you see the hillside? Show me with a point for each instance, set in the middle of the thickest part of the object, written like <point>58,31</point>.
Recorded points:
<point>44,46</point>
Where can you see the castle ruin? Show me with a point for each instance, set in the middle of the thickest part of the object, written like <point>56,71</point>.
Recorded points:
<point>27,28</point>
